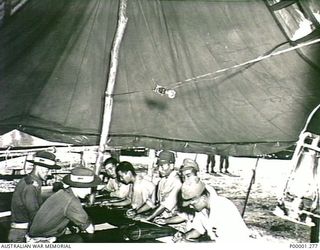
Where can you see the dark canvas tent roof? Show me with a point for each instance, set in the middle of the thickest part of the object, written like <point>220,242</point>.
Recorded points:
<point>54,65</point>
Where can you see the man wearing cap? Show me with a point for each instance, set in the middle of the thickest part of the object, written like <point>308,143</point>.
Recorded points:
<point>52,219</point>
<point>215,216</point>
<point>113,186</point>
<point>188,171</point>
<point>168,186</point>
<point>26,199</point>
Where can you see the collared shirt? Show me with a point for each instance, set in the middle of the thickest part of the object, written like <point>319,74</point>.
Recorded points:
<point>168,190</point>
<point>222,221</point>
<point>143,192</point>
<point>55,214</point>
<point>117,189</point>
<point>26,199</point>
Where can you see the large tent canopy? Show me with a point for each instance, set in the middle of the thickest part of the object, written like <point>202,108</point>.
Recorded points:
<point>55,58</point>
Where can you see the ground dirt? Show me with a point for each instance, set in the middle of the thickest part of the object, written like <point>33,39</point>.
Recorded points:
<point>270,179</point>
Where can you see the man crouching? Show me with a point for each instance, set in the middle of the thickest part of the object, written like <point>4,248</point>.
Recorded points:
<point>215,216</point>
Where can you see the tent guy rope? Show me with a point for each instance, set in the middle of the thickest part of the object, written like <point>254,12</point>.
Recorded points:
<point>174,85</point>
<point>258,59</point>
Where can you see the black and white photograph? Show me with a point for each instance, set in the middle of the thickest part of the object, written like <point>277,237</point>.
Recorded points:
<point>160,121</point>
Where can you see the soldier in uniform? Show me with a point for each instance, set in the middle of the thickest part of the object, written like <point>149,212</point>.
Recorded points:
<point>189,169</point>
<point>168,187</point>
<point>64,207</point>
<point>26,199</point>
<point>143,194</point>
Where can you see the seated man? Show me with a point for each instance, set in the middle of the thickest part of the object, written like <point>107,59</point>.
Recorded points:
<point>113,187</point>
<point>188,171</point>
<point>215,216</point>
<point>168,187</point>
<point>142,196</point>
<point>51,221</point>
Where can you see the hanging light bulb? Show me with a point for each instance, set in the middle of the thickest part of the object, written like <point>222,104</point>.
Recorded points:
<point>171,93</point>
<point>164,91</point>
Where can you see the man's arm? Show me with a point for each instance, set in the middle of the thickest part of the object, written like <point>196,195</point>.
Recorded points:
<point>122,203</point>
<point>123,191</point>
<point>157,212</point>
<point>32,200</point>
<point>148,196</point>
<point>126,199</point>
<point>191,235</point>
<point>143,208</point>
<point>171,220</point>
<point>79,216</point>
<point>131,213</point>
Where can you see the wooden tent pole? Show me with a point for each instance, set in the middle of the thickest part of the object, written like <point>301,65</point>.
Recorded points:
<point>121,26</point>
